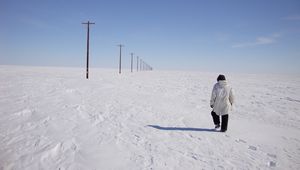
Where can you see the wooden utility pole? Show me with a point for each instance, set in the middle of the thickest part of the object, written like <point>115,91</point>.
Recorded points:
<point>120,61</point>
<point>131,61</point>
<point>88,46</point>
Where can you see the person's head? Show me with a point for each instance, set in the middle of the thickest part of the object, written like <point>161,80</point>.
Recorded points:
<point>221,77</point>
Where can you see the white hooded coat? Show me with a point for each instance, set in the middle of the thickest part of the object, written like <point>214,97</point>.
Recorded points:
<point>222,98</point>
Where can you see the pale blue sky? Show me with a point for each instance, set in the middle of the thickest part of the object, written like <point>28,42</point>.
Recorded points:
<point>208,35</point>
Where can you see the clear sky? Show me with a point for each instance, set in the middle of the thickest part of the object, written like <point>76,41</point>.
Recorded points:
<point>250,36</point>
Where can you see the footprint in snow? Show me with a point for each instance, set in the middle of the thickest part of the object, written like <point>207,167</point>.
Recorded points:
<point>45,121</point>
<point>272,164</point>
<point>240,141</point>
<point>96,118</point>
<point>194,156</point>
<point>272,155</point>
<point>252,148</point>
<point>37,143</point>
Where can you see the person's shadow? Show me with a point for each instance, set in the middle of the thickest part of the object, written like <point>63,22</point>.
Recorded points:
<point>182,128</point>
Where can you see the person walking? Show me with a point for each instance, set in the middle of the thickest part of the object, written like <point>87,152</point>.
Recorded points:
<point>221,101</point>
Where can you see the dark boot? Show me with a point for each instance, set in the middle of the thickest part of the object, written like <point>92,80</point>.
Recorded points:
<point>216,118</point>
<point>224,123</point>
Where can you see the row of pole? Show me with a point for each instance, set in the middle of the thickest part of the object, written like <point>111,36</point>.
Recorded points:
<point>141,65</point>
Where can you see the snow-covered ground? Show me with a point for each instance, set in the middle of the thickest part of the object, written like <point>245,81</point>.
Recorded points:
<point>53,118</point>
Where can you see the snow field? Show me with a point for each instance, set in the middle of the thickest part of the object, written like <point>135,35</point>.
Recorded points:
<point>52,118</point>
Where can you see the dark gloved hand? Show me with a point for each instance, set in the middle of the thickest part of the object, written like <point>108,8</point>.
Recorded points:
<point>212,106</point>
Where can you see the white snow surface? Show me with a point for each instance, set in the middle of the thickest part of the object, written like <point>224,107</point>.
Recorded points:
<point>53,118</point>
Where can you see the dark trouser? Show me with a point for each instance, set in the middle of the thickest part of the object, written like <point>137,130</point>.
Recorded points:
<point>216,119</point>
